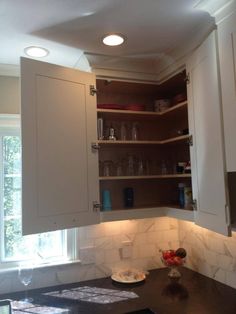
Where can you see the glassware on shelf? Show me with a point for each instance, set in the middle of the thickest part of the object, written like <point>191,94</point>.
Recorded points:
<point>164,168</point>
<point>123,131</point>
<point>25,274</point>
<point>119,168</point>
<point>107,168</point>
<point>140,167</point>
<point>130,165</point>
<point>134,132</point>
<point>111,136</point>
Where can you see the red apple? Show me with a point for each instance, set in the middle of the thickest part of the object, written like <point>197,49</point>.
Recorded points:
<point>177,260</point>
<point>168,254</point>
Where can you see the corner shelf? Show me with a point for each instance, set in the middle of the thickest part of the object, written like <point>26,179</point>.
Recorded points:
<point>167,141</point>
<point>166,176</point>
<point>147,212</point>
<point>143,113</point>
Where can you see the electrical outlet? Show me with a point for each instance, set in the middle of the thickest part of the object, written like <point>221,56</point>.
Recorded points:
<point>87,255</point>
<point>126,249</point>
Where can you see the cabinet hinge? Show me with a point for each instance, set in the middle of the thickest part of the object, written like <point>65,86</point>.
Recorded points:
<point>190,140</point>
<point>93,90</point>
<point>194,204</point>
<point>96,206</point>
<point>187,79</point>
<point>95,146</point>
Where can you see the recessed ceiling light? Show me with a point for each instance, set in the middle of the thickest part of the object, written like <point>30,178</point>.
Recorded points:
<point>113,40</point>
<point>37,52</point>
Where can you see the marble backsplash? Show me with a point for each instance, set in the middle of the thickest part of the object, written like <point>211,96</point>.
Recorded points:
<point>147,236</point>
<point>209,253</point>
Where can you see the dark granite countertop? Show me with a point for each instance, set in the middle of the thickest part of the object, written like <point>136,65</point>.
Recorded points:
<point>194,294</point>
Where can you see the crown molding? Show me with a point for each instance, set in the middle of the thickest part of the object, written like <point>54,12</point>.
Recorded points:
<point>9,70</point>
<point>219,9</point>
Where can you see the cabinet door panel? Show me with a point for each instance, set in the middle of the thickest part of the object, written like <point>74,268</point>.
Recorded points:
<point>59,172</point>
<point>207,153</point>
<point>227,56</point>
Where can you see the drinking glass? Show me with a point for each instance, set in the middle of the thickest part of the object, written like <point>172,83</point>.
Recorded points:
<point>123,132</point>
<point>25,274</point>
<point>135,132</point>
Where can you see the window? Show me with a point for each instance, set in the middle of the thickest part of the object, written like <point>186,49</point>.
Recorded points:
<point>45,247</point>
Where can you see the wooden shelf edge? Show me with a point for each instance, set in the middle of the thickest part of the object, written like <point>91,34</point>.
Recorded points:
<point>118,142</point>
<point>143,213</point>
<point>143,113</point>
<point>170,140</point>
<point>176,107</point>
<point>166,176</point>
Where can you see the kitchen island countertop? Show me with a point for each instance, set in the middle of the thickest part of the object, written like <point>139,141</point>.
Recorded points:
<point>193,294</point>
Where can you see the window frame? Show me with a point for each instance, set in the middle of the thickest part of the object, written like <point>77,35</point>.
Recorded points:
<point>10,125</point>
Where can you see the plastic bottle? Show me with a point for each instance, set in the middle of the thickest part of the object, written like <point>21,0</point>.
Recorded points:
<point>128,197</point>
<point>106,200</point>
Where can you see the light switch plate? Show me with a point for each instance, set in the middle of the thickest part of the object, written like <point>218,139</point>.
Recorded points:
<point>87,255</point>
<point>126,249</point>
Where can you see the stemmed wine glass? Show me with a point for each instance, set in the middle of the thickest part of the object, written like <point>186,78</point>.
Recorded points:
<point>25,274</point>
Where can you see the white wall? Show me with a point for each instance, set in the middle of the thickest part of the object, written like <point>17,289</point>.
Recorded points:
<point>9,94</point>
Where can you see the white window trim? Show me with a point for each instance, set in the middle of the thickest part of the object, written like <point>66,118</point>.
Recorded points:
<point>11,124</point>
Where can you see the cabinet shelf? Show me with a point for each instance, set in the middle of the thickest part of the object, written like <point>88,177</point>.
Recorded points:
<point>167,141</point>
<point>143,113</point>
<point>147,212</point>
<point>166,176</point>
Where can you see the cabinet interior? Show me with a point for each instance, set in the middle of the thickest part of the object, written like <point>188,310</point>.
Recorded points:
<point>147,164</point>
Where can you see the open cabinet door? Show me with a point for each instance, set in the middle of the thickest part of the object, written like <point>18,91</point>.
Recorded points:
<point>207,152</point>
<point>59,169</point>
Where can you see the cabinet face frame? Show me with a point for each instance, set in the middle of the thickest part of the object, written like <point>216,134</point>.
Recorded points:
<point>59,169</point>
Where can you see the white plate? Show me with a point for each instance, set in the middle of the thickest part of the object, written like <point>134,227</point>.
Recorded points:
<point>119,279</point>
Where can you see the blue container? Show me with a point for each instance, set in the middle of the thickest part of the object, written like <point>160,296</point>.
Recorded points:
<point>106,200</point>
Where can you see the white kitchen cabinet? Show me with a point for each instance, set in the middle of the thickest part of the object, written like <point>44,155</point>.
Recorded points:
<point>59,170</point>
<point>207,152</point>
<point>227,57</point>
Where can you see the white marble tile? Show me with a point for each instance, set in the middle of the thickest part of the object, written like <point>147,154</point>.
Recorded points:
<point>85,242</point>
<point>146,225</point>
<point>99,256</point>
<point>112,228</point>
<point>148,250</point>
<point>170,235</point>
<point>162,223</point>
<point>129,226</point>
<point>215,245</point>
<point>226,262</point>
<point>154,237</point>
<point>140,239</point>
<point>105,243</point>
<point>112,256</point>
<point>231,279</point>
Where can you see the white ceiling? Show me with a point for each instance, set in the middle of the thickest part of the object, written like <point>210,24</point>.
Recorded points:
<point>69,27</point>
